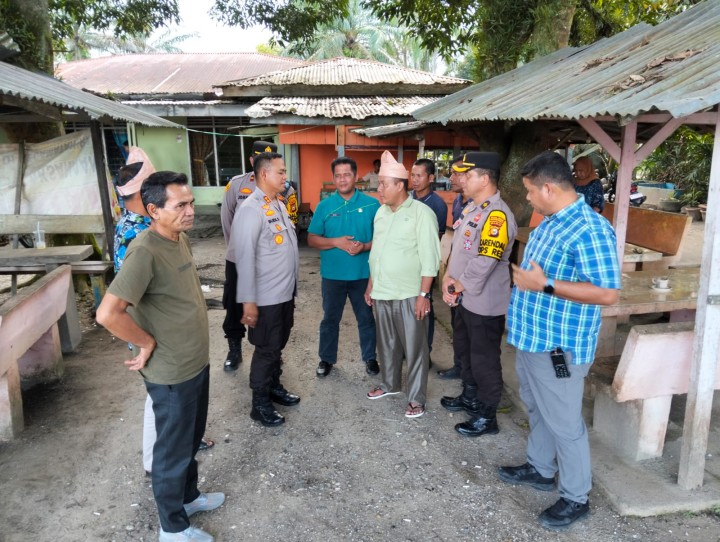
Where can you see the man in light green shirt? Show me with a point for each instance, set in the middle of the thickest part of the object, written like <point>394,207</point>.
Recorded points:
<point>404,259</point>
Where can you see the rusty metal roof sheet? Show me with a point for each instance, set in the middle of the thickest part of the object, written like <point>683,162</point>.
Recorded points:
<point>671,67</point>
<point>182,73</point>
<point>348,76</point>
<point>30,88</point>
<point>360,107</point>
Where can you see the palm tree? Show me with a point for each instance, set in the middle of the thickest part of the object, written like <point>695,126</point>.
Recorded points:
<point>362,35</point>
<point>84,42</point>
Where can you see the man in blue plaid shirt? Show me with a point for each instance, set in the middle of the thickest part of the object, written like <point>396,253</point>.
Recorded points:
<point>569,270</point>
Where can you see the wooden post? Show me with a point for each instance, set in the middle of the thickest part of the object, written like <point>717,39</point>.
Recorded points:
<point>706,345</point>
<point>98,155</point>
<point>295,170</point>
<point>624,179</point>
<point>18,200</point>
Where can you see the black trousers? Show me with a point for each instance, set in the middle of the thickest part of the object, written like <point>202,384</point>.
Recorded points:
<point>269,337</point>
<point>180,418</point>
<point>476,341</point>
<point>234,311</point>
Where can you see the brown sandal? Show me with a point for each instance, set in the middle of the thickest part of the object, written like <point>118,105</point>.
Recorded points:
<point>414,411</point>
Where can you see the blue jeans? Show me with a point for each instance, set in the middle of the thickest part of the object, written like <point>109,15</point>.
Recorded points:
<point>334,294</point>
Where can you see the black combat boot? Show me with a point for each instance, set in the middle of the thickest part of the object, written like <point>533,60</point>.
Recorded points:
<point>234,356</point>
<point>467,399</point>
<point>263,410</point>
<point>278,393</point>
<point>485,423</point>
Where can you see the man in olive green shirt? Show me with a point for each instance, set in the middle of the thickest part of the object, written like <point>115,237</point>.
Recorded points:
<point>404,260</point>
<point>156,303</point>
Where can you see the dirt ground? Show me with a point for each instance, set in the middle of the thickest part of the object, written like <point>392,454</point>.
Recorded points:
<point>341,468</point>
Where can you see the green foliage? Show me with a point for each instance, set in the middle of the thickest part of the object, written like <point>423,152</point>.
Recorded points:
<point>28,26</point>
<point>124,17</point>
<point>501,34</point>
<point>290,20</point>
<point>683,159</point>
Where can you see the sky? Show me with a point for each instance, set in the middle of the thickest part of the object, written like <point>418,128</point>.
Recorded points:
<point>213,36</point>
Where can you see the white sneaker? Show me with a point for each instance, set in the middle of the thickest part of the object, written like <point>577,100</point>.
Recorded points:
<point>204,503</point>
<point>191,534</point>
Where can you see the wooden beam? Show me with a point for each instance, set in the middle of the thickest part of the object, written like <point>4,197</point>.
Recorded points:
<point>705,117</point>
<point>661,135</point>
<point>47,111</point>
<point>599,135</point>
<point>10,224</point>
<point>706,346</point>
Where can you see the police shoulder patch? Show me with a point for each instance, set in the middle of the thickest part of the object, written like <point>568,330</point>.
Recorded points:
<point>494,236</point>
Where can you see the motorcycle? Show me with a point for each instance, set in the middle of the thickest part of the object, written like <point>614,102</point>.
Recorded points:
<point>637,198</point>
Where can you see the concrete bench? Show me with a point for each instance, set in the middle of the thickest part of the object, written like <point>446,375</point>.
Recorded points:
<point>37,326</point>
<point>632,406</point>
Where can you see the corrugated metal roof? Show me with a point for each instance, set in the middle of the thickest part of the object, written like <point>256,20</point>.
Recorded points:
<point>35,87</point>
<point>183,73</point>
<point>339,107</point>
<point>670,67</point>
<point>390,129</point>
<point>345,71</point>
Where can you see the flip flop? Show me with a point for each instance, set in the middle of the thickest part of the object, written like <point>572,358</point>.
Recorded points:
<point>206,444</point>
<point>383,394</point>
<point>414,411</point>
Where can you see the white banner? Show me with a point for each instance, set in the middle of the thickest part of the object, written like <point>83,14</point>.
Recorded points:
<point>60,177</point>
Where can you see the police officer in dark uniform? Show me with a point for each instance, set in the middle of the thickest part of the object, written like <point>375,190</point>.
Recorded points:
<point>477,282</point>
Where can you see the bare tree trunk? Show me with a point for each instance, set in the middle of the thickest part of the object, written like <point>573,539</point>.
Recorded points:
<point>28,23</point>
<point>553,20</point>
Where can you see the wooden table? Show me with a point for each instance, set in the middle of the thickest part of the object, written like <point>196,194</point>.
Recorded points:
<point>638,297</point>
<point>52,256</point>
<point>633,257</point>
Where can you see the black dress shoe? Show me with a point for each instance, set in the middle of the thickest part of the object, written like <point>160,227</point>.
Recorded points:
<point>478,427</point>
<point>323,369</point>
<point>267,415</point>
<point>372,367</point>
<point>453,404</point>
<point>563,513</point>
<point>283,397</point>
<point>461,402</point>
<point>526,475</point>
<point>452,372</point>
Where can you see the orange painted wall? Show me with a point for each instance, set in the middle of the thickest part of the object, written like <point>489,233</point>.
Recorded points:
<point>317,149</point>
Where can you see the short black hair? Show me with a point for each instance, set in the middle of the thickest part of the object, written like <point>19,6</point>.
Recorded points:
<point>492,174</point>
<point>548,167</point>
<point>428,164</point>
<point>154,188</point>
<point>127,173</point>
<point>340,160</point>
<point>376,162</point>
<point>262,161</point>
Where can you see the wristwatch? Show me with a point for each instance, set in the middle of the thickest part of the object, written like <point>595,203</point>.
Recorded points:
<point>549,286</point>
<point>426,295</point>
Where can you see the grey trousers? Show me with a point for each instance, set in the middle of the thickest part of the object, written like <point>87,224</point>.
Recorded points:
<point>558,440</point>
<point>401,335</point>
